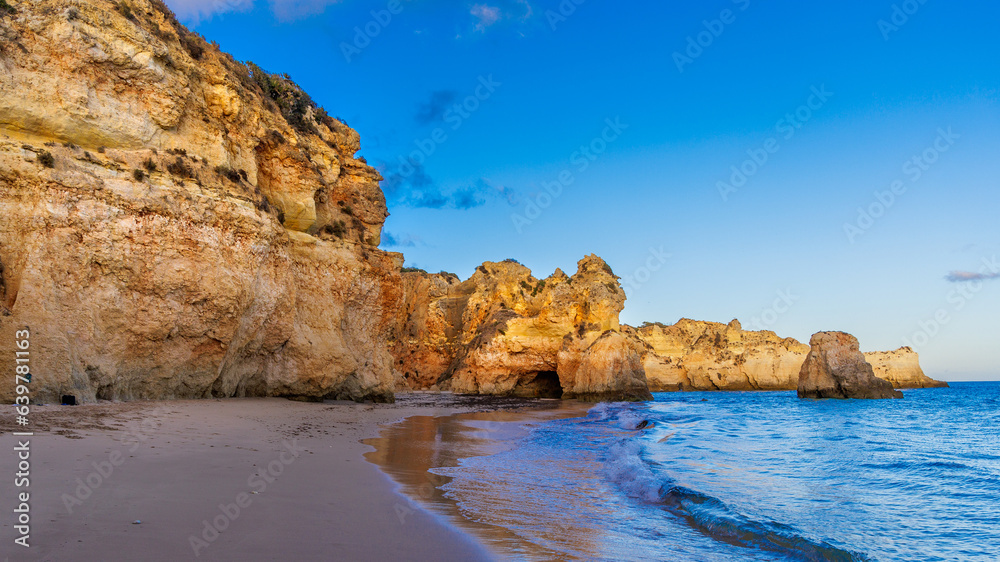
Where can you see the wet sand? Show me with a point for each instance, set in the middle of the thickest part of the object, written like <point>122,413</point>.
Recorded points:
<point>188,470</point>
<point>409,449</point>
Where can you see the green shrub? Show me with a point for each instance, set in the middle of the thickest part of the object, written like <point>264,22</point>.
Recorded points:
<point>138,174</point>
<point>180,168</point>
<point>149,165</point>
<point>192,44</point>
<point>228,173</point>
<point>125,10</point>
<point>6,8</point>
<point>46,159</point>
<point>291,100</point>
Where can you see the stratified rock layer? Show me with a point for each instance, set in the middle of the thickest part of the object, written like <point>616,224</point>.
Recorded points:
<point>176,224</point>
<point>836,368</point>
<point>505,332</point>
<point>696,355</point>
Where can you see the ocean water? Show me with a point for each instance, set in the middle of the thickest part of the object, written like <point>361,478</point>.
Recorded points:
<point>721,476</point>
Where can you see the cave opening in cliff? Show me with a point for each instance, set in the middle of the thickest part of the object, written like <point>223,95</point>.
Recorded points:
<point>544,384</point>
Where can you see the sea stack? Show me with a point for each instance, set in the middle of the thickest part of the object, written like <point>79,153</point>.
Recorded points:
<point>836,368</point>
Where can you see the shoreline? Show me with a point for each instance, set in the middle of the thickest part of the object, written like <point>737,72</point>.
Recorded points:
<point>412,451</point>
<point>221,479</point>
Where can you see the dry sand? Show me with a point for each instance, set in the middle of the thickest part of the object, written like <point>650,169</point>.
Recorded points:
<point>171,464</point>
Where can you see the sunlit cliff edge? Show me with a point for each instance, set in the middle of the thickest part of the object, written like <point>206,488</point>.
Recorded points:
<point>174,223</point>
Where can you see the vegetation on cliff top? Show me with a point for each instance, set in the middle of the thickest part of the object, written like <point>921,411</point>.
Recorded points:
<point>278,91</point>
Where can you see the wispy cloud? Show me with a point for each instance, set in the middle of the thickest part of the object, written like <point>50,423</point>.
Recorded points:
<point>485,16</point>
<point>192,12</point>
<point>433,110</point>
<point>963,276</point>
<point>390,240</point>
<point>417,189</point>
<point>291,10</point>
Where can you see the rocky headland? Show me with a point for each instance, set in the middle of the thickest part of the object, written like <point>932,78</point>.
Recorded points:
<point>696,355</point>
<point>175,223</point>
<point>503,331</point>
<point>901,368</point>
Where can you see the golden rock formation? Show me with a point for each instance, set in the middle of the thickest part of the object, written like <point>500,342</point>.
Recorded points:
<point>836,368</point>
<point>174,223</point>
<point>505,332</point>
<point>901,368</point>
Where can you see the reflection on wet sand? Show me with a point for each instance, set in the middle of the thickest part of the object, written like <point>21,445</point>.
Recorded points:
<point>409,450</point>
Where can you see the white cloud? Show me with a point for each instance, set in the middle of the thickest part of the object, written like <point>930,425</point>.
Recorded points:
<point>192,12</point>
<point>291,10</point>
<point>485,16</point>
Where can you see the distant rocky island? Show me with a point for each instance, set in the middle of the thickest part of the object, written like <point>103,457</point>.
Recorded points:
<point>175,223</point>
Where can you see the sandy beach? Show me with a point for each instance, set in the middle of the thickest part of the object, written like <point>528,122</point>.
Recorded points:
<point>252,479</point>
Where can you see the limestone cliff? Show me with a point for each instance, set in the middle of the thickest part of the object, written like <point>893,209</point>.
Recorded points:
<point>836,368</point>
<point>174,223</point>
<point>696,355</point>
<point>503,331</point>
<point>901,368</point>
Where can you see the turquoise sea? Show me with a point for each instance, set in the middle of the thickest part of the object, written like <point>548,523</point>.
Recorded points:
<point>724,476</point>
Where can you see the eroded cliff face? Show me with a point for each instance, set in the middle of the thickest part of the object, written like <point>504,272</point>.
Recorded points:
<point>696,355</point>
<point>503,331</point>
<point>901,368</point>
<point>174,223</point>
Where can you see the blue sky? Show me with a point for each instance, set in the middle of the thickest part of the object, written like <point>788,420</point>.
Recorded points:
<point>866,132</point>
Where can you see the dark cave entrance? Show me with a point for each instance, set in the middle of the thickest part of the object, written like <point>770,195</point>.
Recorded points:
<point>544,384</point>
